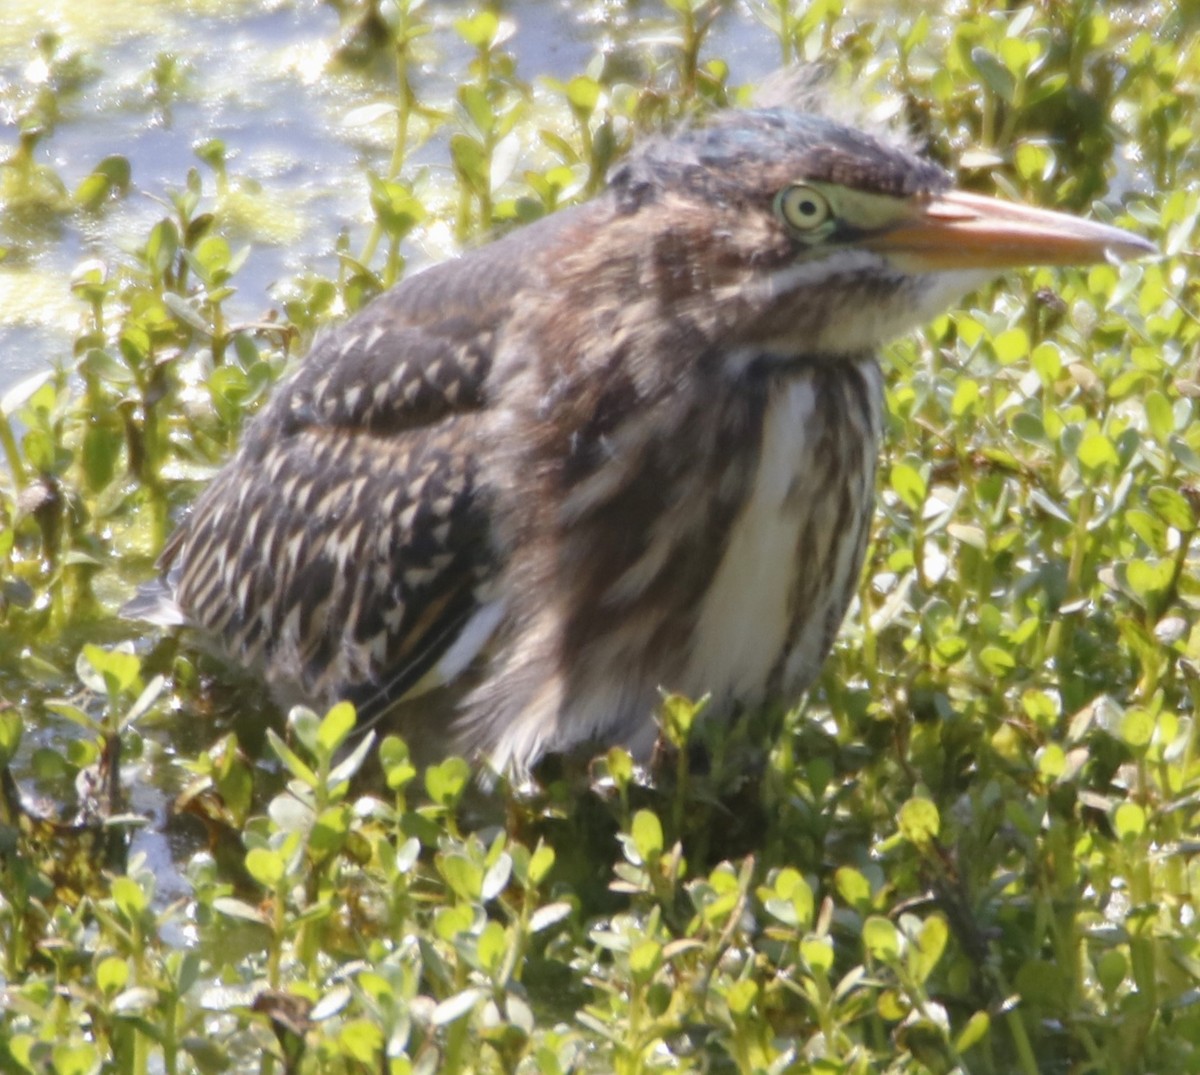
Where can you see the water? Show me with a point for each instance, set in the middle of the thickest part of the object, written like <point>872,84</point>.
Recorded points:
<point>260,77</point>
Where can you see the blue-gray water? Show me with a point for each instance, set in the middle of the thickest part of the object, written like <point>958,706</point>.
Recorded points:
<point>259,76</point>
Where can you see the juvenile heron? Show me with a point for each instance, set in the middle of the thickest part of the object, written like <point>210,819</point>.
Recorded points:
<point>628,448</point>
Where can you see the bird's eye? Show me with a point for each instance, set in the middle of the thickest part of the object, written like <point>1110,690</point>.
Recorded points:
<point>803,208</point>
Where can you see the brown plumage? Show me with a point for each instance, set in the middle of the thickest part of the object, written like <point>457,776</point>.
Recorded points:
<point>627,449</point>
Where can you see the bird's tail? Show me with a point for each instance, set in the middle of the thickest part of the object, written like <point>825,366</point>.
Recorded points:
<point>155,603</point>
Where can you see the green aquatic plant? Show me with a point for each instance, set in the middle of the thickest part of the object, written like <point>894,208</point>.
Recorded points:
<point>971,849</point>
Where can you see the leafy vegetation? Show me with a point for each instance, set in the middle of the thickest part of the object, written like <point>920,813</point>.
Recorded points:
<point>973,849</point>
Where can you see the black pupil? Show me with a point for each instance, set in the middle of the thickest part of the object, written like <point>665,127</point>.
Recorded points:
<point>808,207</point>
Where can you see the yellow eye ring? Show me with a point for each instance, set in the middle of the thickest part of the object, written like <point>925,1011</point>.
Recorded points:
<point>802,207</point>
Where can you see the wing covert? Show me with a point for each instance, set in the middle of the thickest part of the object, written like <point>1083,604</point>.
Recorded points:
<point>342,548</point>
<point>342,564</point>
<point>347,544</point>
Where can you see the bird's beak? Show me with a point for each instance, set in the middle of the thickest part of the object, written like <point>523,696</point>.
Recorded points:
<point>958,230</point>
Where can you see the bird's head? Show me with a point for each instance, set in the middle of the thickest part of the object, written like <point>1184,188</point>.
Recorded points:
<point>789,234</point>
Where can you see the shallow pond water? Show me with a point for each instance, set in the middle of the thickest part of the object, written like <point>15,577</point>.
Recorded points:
<point>263,78</point>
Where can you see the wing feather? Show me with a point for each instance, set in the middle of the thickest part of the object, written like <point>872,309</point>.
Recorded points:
<point>347,544</point>
<point>342,549</point>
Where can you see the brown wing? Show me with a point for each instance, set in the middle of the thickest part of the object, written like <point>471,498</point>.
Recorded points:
<point>345,545</point>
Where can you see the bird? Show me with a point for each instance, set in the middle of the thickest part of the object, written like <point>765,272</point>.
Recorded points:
<point>624,450</point>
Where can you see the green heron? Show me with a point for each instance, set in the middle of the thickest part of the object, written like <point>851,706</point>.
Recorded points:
<point>629,448</point>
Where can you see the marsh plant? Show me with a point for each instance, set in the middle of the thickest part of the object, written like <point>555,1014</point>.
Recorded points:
<point>972,849</point>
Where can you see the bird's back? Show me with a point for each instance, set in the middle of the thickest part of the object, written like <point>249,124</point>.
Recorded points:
<point>343,548</point>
